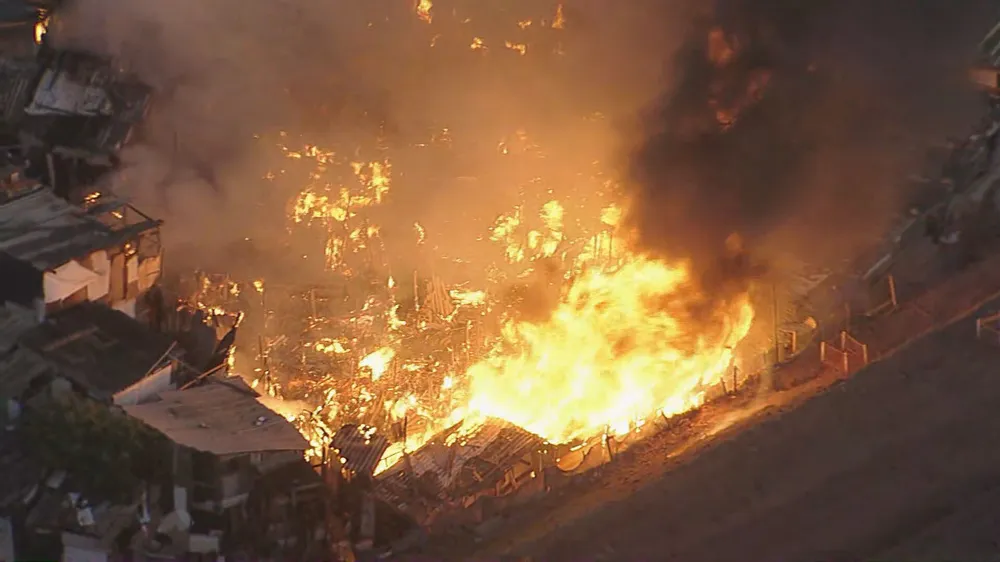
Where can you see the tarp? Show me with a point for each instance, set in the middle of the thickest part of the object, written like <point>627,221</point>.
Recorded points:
<point>102,267</point>
<point>149,272</point>
<point>66,280</point>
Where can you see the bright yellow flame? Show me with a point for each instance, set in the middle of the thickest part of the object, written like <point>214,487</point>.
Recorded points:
<point>423,9</point>
<point>611,215</point>
<point>468,298</point>
<point>41,28</point>
<point>520,48</point>
<point>621,346</point>
<point>378,361</point>
<point>477,44</point>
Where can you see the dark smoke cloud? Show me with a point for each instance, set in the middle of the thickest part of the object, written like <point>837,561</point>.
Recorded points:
<point>848,89</point>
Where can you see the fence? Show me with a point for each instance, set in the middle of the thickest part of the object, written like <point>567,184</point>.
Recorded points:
<point>890,303</point>
<point>989,327</point>
<point>847,355</point>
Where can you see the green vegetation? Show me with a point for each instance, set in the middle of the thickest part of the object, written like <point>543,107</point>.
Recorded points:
<point>106,453</point>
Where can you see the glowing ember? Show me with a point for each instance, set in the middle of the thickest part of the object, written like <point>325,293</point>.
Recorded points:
<point>398,347</point>
<point>520,48</point>
<point>423,9</point>
<point>560,20</point>
<point>378,362</point>
<point>41,27</point>
<point>620,347</point>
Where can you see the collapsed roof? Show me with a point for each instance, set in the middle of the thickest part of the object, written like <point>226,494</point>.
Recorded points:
<point>75,102</point>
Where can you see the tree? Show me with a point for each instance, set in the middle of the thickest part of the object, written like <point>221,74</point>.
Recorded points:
<point>105,452</point>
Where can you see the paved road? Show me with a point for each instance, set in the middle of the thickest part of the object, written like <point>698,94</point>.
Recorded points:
<point>900,462</point>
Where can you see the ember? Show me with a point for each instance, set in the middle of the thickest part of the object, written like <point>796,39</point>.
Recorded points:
<point>570,334</point>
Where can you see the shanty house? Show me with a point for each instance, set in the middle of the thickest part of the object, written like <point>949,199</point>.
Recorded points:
<point>97,351</point>
<point>78,103</point>
<point>224,440</point>
<point>54,254</point>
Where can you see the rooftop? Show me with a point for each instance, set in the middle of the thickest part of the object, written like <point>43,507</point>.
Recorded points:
<point>40,228</point>
<point>18,368</point>
<point>81,103</point>
<point>101,349</point>
<point>221,419</point>
<point>14,322</point>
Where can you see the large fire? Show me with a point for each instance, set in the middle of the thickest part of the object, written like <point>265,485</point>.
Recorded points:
<point>621,345</point>
<point>622,337</point>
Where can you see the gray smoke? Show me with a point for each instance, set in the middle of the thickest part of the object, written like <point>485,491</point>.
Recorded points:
<point>837,97</point>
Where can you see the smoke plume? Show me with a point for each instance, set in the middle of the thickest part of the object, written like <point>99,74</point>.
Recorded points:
<point>336,73</point>
<point>796,123</point>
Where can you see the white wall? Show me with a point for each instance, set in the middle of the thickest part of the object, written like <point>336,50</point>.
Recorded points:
<point>147,388</point>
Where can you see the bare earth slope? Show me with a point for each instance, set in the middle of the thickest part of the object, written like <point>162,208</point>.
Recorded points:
<point>902,462</point>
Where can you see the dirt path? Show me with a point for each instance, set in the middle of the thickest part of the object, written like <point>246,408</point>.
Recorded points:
<point>888,463</point>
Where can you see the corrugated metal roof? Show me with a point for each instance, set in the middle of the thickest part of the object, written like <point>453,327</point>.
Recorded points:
<point>360,450</point>
<point>18,369</point>
<point>219,419</point>
<point>103,350</point>
<point>14,322</point>
<point>17,82</point>
<point>46,231</point>
<point>495,443</point>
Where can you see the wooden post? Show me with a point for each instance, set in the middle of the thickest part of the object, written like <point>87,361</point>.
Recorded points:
<point>416,291</point>
<point>51,164</point>
<point>264,365</point>
<point>468,343</point>
<point>735,372</point>
<point>892,292</point>
<point>777,343</point>
<point>822,351</point>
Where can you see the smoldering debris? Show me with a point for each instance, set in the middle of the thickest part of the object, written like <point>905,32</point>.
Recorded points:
<point>792,123</point>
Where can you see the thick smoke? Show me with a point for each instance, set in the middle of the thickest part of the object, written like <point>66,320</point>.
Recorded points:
<point>338,72</point>
<point>833,101</point>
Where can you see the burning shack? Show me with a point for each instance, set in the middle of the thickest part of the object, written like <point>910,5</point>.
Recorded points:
<point>464,467</point>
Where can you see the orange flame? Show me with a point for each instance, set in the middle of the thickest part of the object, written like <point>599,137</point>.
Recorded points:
<point>423,9</point>
<point>621,346</point>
